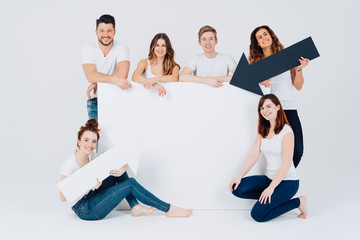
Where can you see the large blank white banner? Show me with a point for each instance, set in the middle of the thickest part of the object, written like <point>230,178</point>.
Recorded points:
<point>193,141</point>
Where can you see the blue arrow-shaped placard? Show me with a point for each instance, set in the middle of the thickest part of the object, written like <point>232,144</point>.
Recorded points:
<point>248,76</point>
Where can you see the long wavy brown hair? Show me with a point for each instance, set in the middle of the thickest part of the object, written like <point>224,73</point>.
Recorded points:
<point>169,62</point>
<point>256,52</point>
<point>281,120</point>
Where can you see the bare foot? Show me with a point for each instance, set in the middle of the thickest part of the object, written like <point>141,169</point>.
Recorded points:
<point>303,207</point>
<point>139,210</point>
<point>175,211</point>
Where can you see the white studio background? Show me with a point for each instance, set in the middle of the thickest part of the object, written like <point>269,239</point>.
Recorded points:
<point>43,88</point>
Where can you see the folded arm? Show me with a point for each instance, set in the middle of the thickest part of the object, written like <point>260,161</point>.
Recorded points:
<point>186,75</point>
<point>119,77</point>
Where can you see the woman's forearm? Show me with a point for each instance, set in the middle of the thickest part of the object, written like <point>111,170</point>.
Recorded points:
<point>169,78</point>
<point>62,197</point>
<point>298,77</point>
<point>281,173</point>
<point>249,163</point>
<point>173,77</point>
<point>252,157</point>
<point>140,79</point>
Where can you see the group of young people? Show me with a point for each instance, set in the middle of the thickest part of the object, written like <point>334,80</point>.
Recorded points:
<point>279,135</point>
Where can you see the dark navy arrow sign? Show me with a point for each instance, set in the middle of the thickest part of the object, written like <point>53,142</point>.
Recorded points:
<point>248,76</point>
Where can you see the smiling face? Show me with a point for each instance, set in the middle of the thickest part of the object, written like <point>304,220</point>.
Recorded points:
<point>208,41</point>
<point>269,110</point>
<point>105,33</point>
<point>160,48</point>
<point>263,38</point>
<point>87,142</point>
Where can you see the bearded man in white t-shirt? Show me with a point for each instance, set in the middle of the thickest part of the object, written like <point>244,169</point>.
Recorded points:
<point>107,61</point>
<point>210,67</point>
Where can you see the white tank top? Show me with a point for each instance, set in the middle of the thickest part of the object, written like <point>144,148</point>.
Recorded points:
<point>272,150</point>
<point>148,73</point>
<point>282,87</point>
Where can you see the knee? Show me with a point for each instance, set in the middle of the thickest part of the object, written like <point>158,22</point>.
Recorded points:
<point>257,215</point>
<point>131,181</point>
<point>239,192</point>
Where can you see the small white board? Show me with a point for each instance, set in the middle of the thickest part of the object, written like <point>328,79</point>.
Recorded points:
<point>81,181</point>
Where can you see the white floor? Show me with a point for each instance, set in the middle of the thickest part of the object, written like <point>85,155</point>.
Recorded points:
<point>31,217</point>
<point>30,209</point>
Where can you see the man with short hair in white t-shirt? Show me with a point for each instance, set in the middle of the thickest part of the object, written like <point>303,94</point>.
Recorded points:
<point>107,61</point>
<point>210,67</point>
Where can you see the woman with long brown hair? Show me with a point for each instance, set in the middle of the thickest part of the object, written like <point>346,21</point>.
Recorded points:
<point>264,43</point>
<point>160,65</point>
<point>274,190</point>
<point>106,195</point>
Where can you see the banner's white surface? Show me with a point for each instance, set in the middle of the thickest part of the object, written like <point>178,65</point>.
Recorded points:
<point>81,181</point>
<point>194,140</point>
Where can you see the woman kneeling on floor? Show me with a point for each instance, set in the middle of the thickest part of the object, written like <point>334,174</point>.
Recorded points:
<point>274,190</point>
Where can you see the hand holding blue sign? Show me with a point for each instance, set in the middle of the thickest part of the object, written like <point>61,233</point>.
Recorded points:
<point>248,76</point>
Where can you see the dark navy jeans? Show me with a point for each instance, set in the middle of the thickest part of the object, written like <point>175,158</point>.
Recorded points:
<point>92,108</point>
<point>99,203</point>
<point>281,202</point>
<point>295,124</point>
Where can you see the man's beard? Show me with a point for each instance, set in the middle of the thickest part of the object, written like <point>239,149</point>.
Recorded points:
<point>105,45</point>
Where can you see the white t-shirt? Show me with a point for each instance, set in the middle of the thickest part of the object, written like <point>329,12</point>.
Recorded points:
<point>272,150</point>
<point>282,87</point>
<point>70,166</point>
<point>219,66</point>
<point>92,54</point>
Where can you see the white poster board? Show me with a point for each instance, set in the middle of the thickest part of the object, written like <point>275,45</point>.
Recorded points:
<point>195,139</point>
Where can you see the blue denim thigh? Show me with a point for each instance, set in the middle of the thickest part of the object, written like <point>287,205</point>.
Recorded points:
<point>111,181</point>
<point>100,204</point>
<point>251,187</point>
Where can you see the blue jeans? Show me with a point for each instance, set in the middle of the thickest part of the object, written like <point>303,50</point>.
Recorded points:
<point>99,203</point>
<point>92,108</point>
<point>294,121</point>
<point>281,202</point>
<point>111,181</point>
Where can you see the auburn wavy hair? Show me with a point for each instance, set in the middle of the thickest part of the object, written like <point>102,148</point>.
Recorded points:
<point>92,126</point>
<point>281,120</point>
<point>256,52</point>
<point>169,62</point>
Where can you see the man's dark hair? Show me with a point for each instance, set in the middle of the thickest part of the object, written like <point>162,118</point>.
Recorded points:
<point>106,18</point>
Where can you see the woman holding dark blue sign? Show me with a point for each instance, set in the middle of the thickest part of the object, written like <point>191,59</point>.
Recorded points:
<point>264,43</point>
